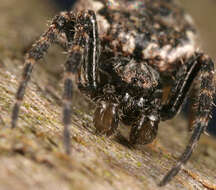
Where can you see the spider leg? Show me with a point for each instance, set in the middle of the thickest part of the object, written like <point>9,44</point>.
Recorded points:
<point>82,53</point>
<point>192,106</point>
<point>205,101</point>
<point>74,59</point>
<point>181,88</point>
<point>93,51</point>
<point>34,54</point>
<point>88,72</point>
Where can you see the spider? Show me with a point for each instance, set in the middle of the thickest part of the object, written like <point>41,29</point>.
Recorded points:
<point>137,60</point>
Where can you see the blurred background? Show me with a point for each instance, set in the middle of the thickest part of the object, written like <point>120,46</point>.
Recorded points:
<point>64,4</point>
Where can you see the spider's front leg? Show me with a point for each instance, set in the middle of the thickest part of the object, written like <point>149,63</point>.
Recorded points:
<point>106,114</point>
<point>35,54</point>
<point>198,63</point>
<point>81,32</point>
<point>83,61</point>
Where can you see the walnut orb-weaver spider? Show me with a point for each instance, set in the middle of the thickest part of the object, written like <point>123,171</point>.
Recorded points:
<point>124,61</point>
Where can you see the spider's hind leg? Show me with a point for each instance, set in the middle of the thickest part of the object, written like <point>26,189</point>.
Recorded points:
<point>205,66</point>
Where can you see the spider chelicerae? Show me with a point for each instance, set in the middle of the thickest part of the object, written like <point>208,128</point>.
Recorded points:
<point>137,61</point>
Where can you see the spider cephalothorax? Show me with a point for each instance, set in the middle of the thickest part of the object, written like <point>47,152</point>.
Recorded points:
<point>125,60</point>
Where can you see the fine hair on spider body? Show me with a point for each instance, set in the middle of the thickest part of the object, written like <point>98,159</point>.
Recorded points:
<point>125,67</point>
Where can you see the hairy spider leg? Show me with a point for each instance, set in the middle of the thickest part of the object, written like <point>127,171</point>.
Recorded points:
<point>83,49</point>
<point>106,115</point>
<point>34,54</point>
<point>180,89</point>
<point>74,59</point>
<point>204,65</point>
<point>93,49</point>
<point>87,75</point>
<point>65,22</point>
<point>191,103</point>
